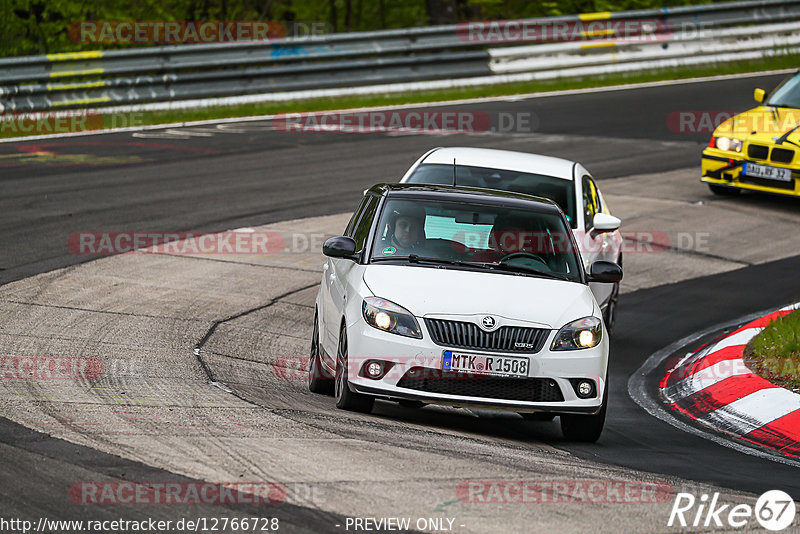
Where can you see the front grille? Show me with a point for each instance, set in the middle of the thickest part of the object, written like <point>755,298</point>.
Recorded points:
<point>758,151</point>
<point>782,155</point>
<point>489,387</point>
<point>777,184</point>
<point>458,334</point>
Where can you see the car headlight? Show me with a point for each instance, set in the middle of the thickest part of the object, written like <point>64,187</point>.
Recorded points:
<point>581,334</point>
<point>728,143</point>
<point>390,317</point>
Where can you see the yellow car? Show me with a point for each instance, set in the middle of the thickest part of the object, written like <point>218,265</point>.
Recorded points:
<point>758,149</point>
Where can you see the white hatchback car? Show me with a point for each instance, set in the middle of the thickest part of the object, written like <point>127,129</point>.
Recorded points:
<point>565,182</point>
<point>462,297</point>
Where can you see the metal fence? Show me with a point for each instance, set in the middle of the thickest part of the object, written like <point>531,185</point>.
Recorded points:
<point>664,37</point>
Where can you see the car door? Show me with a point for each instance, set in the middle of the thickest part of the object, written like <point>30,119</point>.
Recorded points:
<point>328,319</point>
<point>594,246</point>
<point>338,269</point>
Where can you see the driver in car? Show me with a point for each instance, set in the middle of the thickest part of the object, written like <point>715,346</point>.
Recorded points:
<point>407,228</point>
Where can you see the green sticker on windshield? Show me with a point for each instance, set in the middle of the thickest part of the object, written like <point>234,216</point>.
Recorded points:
<point>388,251</point>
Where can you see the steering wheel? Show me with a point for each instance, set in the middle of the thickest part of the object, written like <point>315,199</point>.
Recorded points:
<point>522,255</point>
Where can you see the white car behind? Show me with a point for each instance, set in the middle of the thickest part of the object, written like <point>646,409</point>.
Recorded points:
<point>565,182</point>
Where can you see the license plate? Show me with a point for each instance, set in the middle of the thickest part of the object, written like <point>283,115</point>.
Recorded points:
<point>483,364</point>
<point>765,171</point>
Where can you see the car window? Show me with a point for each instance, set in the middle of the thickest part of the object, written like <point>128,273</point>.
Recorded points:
<point>468,234</point>
<point>351,226</point>
<point>481,235</point>
<point>361,231</point>
<point>591,203</point>
<point>787,94</point>
<point>560,191</point>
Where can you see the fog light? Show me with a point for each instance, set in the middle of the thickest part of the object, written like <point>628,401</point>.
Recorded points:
<point>585,388</point>
<point>374,369</point>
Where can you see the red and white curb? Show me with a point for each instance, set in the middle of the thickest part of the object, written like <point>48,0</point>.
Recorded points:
<point>714,387</point>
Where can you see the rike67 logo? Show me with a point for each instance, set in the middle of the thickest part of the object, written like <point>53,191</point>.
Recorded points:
<point>774,510</point>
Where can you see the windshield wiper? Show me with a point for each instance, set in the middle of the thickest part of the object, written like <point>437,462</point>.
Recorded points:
<point>415,258</point>
<point>528,269</point>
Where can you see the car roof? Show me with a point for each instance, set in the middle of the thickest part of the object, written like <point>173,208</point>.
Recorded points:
<point>508,160</point>
<point>466,195</point>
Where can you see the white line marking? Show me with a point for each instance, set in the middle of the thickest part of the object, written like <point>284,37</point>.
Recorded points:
<point>706,378</point>
<point>159,135</point>
<point>189,132</point>
<point>739,338</point>
<point>759,408</point>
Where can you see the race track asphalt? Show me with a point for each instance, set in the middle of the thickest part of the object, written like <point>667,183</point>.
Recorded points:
<point>248,174</point>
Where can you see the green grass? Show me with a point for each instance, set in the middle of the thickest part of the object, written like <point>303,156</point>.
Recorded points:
<point>775,352</point>
<point>344,102</point>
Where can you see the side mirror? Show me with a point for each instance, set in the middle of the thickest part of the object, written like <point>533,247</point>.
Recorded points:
<point>603,222</point>
<point>340,247</point>
<point>605,272</point>
<point>759,95</point>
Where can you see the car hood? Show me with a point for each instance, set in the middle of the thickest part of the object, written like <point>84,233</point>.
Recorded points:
<point>432,292</point>
<point>761,125</point>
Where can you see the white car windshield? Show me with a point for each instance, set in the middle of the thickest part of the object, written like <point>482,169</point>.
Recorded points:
<point>476,236</point>
<point>559,190</point>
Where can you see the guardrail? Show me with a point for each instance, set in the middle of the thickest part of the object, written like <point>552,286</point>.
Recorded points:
<point>670,36</point>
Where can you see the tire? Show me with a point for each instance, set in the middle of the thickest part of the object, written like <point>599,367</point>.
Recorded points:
<point>610,313</point>
<point>585,428</point>
<point>346,399</point>
<point>538,416</point>
<point>724,191</point>
<point>319,379</point>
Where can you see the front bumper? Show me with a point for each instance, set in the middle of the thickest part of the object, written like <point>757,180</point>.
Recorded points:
<point>725,169</point>
<point>548,368</point>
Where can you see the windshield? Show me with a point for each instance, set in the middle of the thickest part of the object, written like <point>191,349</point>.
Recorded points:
<point>475,236</point>
<point>787,95</point>
<point>560,191</point>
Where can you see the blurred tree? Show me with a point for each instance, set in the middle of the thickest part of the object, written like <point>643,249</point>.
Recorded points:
<point>42,26</point>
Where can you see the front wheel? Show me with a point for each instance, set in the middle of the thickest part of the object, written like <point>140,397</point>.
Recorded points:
<point>319,380</point>
<point>346,399</point>
<point>585,428</point>
<point>610,313</point>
